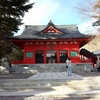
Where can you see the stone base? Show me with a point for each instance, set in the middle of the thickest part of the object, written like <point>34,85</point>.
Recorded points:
<point>33,68</point>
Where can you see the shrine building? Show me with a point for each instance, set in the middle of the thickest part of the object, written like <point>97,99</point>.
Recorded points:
<point>40,43</point>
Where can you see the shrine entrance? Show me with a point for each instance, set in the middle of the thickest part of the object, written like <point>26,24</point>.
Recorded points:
<point>63,56</point>
<point>51,56</point>
<point>39,56</point>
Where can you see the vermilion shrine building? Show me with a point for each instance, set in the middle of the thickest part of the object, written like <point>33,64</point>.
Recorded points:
<point>39,42</point>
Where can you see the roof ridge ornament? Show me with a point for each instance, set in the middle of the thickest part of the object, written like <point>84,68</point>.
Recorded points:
<point>50,23</point>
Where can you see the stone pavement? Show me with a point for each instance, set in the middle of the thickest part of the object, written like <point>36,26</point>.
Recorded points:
<point>62,93</point>
<point>55,75</point>
<point>49,76</point>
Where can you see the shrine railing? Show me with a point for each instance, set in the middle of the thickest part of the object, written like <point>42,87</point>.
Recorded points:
<point>17,61</point>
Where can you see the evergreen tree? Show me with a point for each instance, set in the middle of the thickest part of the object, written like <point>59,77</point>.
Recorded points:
<point>11,14</point>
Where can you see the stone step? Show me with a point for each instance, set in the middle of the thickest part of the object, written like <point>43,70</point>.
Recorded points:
<point>33,80</point>
<point>33,84</point>
<point>49,88</point>
<point>23,89</point>
<point>45,89</point>
<point>47,81</point>
<point>39,86</point>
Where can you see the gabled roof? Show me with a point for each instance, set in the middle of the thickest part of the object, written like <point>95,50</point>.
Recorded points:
<point>51,27</point>
<point>34,32</point>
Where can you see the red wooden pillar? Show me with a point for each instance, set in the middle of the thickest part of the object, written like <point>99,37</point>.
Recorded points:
<point>44,56</point>
<point>69,53</point>
<point>69,49</point>
<point>81,57</point>
<point>24,55</point>
<point>58,56</point>
<point>34,56</point>
<point>58,53</point>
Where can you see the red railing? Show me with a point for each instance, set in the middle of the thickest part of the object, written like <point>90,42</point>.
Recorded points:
<point>17,61</point>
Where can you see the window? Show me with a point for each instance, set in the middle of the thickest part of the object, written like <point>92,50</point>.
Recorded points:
<point>29,54</point>
<point>73,53</point>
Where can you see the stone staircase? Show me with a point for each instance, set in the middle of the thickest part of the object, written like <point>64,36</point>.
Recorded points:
<point>23,85</point>
<point>30,85</point>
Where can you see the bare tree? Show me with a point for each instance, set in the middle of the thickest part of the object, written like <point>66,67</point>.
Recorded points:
<point>97,10</point>
<point>90,9</point>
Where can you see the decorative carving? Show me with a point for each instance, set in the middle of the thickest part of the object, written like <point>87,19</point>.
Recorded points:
<point>29,43</point>
<point>63,43</point>
<point>51,46</point>
<point>39,43</point>
<point>51,29</point>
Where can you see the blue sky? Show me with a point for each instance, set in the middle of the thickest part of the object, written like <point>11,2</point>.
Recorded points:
<point>61,12</point>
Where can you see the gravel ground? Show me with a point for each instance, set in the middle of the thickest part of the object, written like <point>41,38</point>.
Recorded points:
<point>46,98</point>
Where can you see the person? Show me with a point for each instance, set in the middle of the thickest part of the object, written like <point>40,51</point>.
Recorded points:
<point>51,59</point>
<point>68,62</point>
<point>98,68</point>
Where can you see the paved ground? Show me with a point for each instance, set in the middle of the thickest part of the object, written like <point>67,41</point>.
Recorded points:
<point>55,75</point>
<point>50,95</point>
<point>15,76</point>
<point>24,76</point>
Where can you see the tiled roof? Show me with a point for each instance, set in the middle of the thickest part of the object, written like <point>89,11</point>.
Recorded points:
<point>33,32</point>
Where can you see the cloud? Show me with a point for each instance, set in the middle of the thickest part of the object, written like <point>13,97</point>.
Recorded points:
<point>44,11</point>
<point>87,28</point>
<point>59,11</point>
<point>41,11</point>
